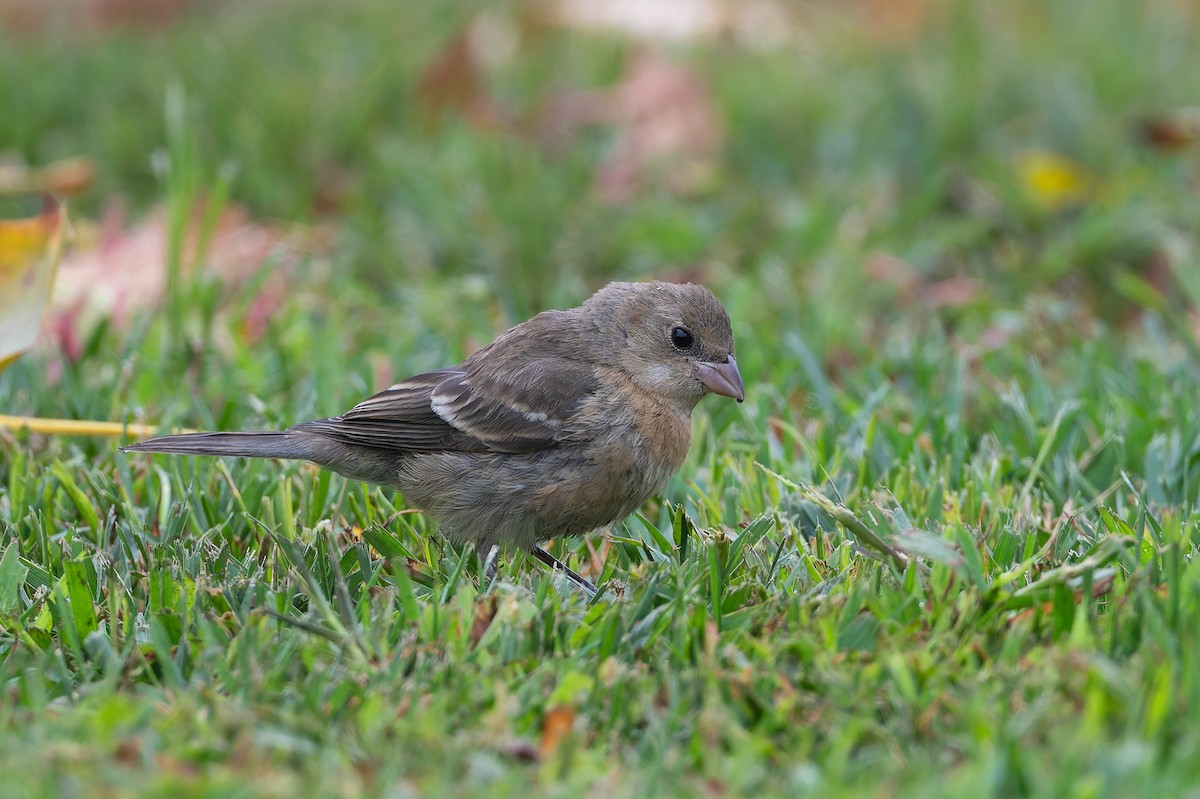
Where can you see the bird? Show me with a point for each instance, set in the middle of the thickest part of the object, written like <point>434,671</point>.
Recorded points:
<point>565,423</point>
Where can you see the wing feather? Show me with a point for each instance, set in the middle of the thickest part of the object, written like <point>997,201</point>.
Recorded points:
<point>476,407</point>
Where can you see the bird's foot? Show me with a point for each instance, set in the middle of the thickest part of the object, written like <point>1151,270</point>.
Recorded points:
<point>555,563</point>
<point>489,557</point>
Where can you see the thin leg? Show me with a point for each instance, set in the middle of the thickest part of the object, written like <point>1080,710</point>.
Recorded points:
<point>555,563</point>
<point>488,556</point>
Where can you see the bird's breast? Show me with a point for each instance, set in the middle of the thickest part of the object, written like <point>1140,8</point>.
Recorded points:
<point>619,451</point>
<point>638,456</point>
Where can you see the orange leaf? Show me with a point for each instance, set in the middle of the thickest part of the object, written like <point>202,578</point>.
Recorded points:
<point>29,253</point>
<point>556,726</point>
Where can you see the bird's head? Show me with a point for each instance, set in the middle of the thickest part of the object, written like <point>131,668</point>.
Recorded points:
<point>674,340</point>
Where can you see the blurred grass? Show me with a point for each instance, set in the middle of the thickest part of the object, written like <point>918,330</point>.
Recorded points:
<point>191,627</point>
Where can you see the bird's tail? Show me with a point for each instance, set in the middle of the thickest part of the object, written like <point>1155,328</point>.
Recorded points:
<point>288,445</point>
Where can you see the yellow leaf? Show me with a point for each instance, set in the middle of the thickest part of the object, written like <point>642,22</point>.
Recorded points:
<point>80,427</point>
<point>1050,181</point>
<point>29,253</point>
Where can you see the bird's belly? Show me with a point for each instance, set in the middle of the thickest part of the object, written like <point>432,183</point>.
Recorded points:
<point>526,498</point>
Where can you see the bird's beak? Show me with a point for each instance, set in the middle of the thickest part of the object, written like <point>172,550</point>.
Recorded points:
<point>723,379</point>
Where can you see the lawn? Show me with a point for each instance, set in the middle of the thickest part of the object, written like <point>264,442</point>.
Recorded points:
<point>958,242</point>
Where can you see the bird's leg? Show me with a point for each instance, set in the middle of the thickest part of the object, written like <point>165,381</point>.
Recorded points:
<point>489,556</point>
<point>555,563</point>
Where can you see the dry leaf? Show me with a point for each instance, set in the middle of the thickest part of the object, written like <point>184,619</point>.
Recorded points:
<point>66,177</point>
<point>669,132</point>
<point>29,252</point>
<point>556,726</point>
<point>1171,130</point>
<point>893,21</point>
<point>485,612</point>
<point>897,272</point>
<point>995,336</point>
<point>140,13</point>
<point>912,286</point>
<point>123,269</point>
<point>953,292</point>
<point>86,15</point>
<point>455,80</point>
<point>129,752</point>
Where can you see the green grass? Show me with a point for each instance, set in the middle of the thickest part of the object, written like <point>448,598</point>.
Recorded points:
<point>212,628</point>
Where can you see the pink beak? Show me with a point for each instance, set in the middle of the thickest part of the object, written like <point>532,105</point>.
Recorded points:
<point>723,379</point>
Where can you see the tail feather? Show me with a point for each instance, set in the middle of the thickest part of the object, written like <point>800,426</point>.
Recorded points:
<point>284,444</point>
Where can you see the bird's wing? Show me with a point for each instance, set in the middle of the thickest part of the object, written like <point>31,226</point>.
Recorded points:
<point>400,417</point>
<point>468,409</point>
<point>516,410</point>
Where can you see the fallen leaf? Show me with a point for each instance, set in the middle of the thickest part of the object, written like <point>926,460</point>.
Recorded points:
<point>30,249</point>
<point>455,80</point>
<point>912,285</point>
<point>123,268</point>
<point>1050,181</point>
<point>485,612</point>
<point>556,726</point>
<point>895,271</point>
<point>66,177</point>
<point>136,13</point>
<point>1171,130</point>
<point>953,292</point>
<point>995,336</point>
<point>893,21</point>
<point>668,133</point>
<point>129,752</point>
<point>34,16</point>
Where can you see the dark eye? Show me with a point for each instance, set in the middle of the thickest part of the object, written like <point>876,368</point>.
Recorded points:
<point>681,338</point>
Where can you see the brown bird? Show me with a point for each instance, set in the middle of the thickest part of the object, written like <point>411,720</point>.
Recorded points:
<point>565,423</point>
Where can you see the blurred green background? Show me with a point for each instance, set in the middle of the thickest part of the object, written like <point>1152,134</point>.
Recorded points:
<point>958,241</point>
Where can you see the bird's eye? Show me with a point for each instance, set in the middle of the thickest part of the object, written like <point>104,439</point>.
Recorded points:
<point>681,338</point>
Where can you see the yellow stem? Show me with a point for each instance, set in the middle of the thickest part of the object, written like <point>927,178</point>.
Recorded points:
<point>79,427</point>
